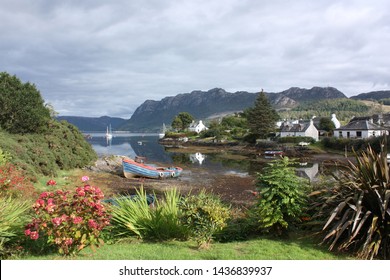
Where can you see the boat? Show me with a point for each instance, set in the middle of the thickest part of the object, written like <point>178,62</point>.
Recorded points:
<point>162,133</point>
<point>272,154</point>
<point>109,132</point>
<point>132,168</point>
<point>150,199</point>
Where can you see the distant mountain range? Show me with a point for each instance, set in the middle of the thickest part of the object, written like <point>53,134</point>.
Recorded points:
<point>150,115</point>
<point>94,124</point>
<point>204,104</point>
<point>374,95</point>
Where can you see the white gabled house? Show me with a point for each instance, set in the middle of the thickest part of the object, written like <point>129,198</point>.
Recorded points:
<point>197,127</point>
<point>360,128</point>
<point>301,129</point>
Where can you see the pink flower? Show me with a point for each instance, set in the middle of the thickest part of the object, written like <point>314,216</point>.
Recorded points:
<point>40,203</point>
<point>85,178</point>
<point>43,195</point>
<point>80,192</point>
<point>69,241</point>
<point>27,232</point>
<point>34,235</point>
<point>51,183</point>
<point>92,223</point>
<point>56,221</point>
<point>77,220</point>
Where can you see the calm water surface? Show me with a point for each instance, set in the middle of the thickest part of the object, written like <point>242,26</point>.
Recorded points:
<point>147,145</point>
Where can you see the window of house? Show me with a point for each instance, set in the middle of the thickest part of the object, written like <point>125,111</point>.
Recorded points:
<point>359,134</point>
<point>348,134</point>
<point>340,134</point>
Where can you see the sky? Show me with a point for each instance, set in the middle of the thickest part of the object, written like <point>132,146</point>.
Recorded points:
<point>96,58</point>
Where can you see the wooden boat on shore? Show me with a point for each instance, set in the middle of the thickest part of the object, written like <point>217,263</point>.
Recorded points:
<point>272,154</point>
<point>132,168</point>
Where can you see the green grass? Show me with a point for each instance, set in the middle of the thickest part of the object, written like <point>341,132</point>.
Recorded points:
<point>257,249</point>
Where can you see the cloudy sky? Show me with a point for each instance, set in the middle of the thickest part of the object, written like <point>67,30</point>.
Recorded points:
<point>95,57</point>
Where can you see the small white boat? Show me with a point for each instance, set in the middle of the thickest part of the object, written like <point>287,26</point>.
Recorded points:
<point>109,132</point>
<point>162,133</point>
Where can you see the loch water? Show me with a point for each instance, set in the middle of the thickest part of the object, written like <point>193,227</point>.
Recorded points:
<point>147,145</point>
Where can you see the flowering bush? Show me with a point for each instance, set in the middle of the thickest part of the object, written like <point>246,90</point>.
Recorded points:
<point>70,220</point>
<point>14,183</point>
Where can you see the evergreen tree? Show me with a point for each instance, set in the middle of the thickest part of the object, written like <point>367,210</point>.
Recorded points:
<point>262,117</point>
<point>22,108</point>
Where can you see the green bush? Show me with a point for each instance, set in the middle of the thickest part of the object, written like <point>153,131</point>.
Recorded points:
<point>281,196</point>
<point>204,215</point>
<point>133,216</point>
<point>62,147</point>
<point>4,157</point>
<point>358,219</point>
<point>13,216</point>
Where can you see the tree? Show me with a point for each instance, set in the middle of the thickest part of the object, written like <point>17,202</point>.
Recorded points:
<point>282,197</point>
<point>22,108</point>
<point>182,121</point>
<point>327,125</point>
<point>262,117</point>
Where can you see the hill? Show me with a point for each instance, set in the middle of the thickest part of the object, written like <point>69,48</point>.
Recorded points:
<point>93,124</point>
<point>374,95</point>
<point>150,115</point>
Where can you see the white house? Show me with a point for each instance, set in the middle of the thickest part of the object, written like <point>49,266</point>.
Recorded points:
<point>361,128</point>
<point>335,121</point>
<point>197,127</point>
<point>303,129</point>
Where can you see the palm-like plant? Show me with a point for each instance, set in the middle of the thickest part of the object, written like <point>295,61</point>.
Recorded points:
<point>361,220</point>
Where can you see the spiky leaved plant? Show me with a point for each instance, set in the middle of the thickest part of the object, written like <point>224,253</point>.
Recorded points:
<point>361,220</point>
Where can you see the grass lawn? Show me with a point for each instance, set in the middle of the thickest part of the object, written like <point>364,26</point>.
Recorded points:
<point>256,249</point>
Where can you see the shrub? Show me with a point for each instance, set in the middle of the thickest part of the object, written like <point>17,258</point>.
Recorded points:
<point>204,215</point>
<point>14,183</point>
<point>133,216</point>
<point>69,220</point>
<point>281,196</point>
<point>13,215</point>
<point>4,157</point>
<point>360,220</point>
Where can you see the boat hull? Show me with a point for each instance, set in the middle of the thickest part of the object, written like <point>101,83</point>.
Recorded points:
<point>132,169</point>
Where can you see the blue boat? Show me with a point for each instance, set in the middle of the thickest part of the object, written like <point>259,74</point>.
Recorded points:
<point>132,168</point>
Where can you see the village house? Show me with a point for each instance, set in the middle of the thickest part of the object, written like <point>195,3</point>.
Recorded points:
<point>197,127</point>
<point>362,128</point>
<point>301,129</point>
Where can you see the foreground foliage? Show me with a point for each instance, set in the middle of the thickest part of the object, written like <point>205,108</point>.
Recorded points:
<point>281,196</point>
<point>69,220</point>
<point>360,220</point>
<point>135,216</point>
<point>203,215</point>
<point>13,215</point>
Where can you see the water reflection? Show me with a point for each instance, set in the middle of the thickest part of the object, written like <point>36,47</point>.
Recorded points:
<point>197,158</point>
<point>132,145</point>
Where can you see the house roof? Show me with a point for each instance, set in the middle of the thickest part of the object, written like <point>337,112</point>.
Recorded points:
<point>299,127</point>
<point>360,124</point>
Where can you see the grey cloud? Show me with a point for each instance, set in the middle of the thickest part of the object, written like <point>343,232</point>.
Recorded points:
<point>106,58</point>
